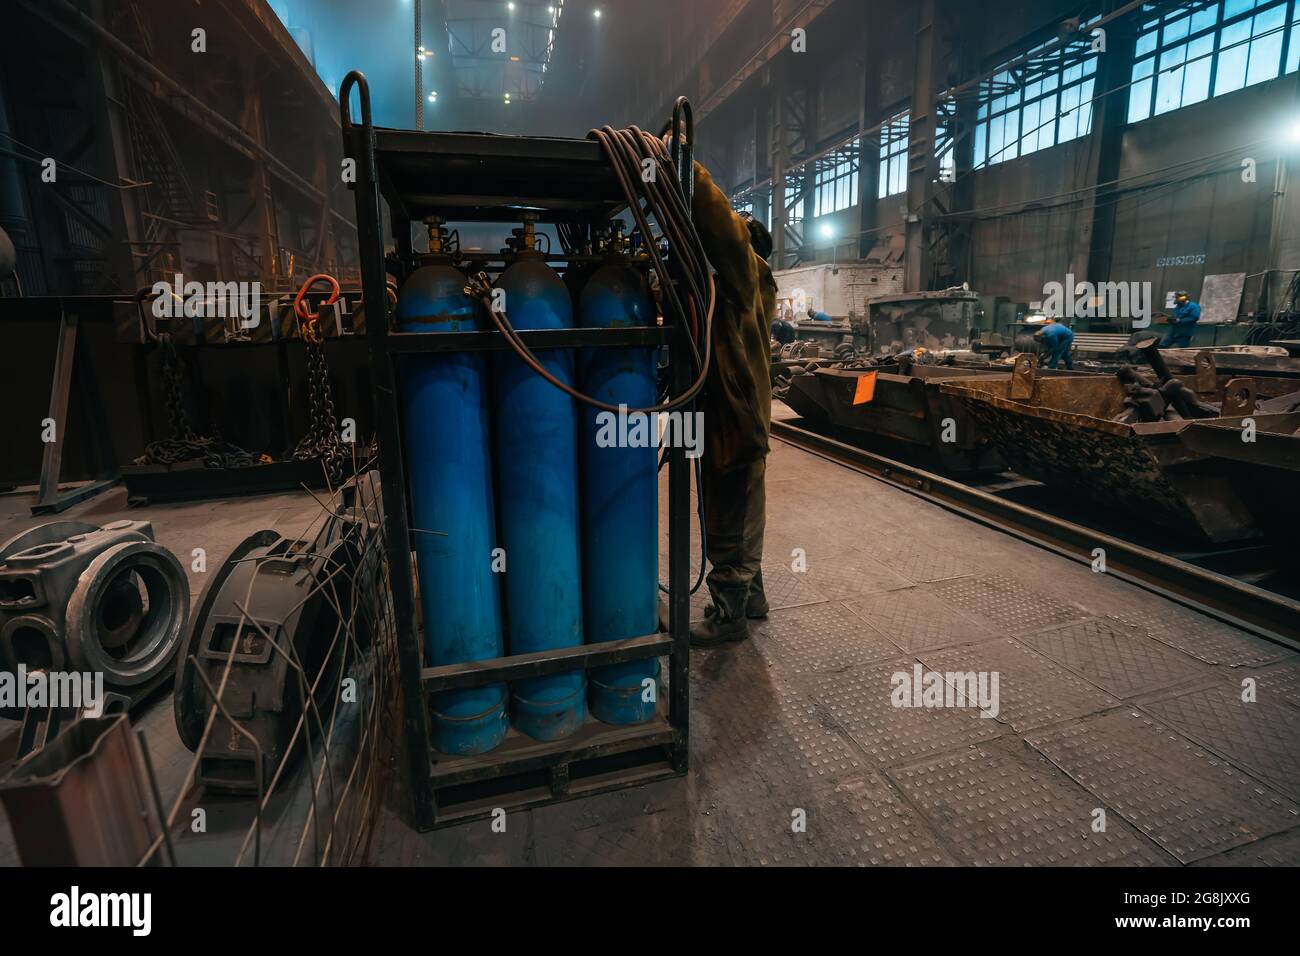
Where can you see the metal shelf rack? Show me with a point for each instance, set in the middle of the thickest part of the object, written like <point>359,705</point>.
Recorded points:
<point>472,176</point>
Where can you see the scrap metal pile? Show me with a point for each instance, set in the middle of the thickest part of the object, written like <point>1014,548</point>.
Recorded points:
<point>802,357</point>
<point>1158,396</point>
<point>806,356</point>
<point>1148,398</point>
<point>288,635</point>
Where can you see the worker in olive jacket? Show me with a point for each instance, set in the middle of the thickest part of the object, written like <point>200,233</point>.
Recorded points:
<point>737,408</point>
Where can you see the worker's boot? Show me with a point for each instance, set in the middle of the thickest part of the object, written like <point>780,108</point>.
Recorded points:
<point>724,619</point>
<point>756,603</point>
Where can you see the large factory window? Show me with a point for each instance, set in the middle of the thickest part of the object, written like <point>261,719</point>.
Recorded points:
<point>893,156</point>
<point>1044,101</point>
<point>1186,56</point>
<point>836,180</point>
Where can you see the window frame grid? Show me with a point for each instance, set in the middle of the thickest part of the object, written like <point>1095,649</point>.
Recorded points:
<point>835,178</point>
<point>1050,75</point>
<point>796,185</point>
<point>1146,74</point>
<point>893,153</point>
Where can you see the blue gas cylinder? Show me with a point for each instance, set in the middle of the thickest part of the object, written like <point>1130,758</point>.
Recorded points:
<point>619,494</point>
<point>449,472</point>
<point>536,463</point>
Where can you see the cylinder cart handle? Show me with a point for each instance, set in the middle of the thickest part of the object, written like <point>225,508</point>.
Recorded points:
<point>358,79</point>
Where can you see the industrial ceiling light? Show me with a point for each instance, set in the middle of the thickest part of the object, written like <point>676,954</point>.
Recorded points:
<point>596,13</point>
<point>827,231</point>
<point>433,97</point>
<point>510,6</point>
<point>1293,132</point>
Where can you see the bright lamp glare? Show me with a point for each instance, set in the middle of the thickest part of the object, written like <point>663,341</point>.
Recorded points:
<point>1293,132</point>
<point>596,14</point>
<point>826,230</point>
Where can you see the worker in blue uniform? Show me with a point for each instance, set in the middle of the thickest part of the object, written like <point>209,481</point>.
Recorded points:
<point>1056,338</point>
<point>817,316</point>
<point>1183,323</point>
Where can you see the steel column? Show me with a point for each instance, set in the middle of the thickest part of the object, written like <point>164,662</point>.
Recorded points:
<point>922,167</point>
<point>1105,147</point>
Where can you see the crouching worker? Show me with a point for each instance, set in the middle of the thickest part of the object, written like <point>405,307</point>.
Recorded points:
<point>1056,339</point>
<point>737,406</point>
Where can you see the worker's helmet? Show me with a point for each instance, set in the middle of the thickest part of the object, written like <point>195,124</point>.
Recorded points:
<point>1181,295</point>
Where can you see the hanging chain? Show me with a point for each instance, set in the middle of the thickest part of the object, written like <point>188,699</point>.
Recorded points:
<point>321,441</point>
<point>172,372</point>
<point>322,438</point>
<point>185,444</point>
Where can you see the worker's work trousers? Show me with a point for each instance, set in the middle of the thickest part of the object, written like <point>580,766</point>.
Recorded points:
<point>1060,353</point>
<point>1179,336</point>
<point>734,517</point>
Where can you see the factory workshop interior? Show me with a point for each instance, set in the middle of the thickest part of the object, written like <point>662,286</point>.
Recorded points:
<point>692,433</point>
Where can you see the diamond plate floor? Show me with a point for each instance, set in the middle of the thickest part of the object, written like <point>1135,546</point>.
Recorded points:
<point>1033,690</point>
<point>1111,700</point>
<point>1189,800</point>
<point>1119,658</point>
<point>919,560</point>
<point>1280,682</point>
<point>859,699</point>
<point>1006,605</point>
<point>1199,636</point>
<point>1003,806</point>
<point>916,618</point>
<point>1280,850</point>
<point>851,573</point>
<point>1258,735</point>
<point>821,637</point>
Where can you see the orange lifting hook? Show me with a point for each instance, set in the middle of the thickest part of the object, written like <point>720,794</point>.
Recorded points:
<point>300,307</point>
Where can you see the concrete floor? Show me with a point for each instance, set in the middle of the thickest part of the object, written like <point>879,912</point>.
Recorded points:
<point>1114,704</point>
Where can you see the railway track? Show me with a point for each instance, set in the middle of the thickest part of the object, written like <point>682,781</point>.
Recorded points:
<point>1266,613</point>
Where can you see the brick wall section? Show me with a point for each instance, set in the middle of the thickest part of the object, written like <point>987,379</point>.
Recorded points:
<point>836,290</point>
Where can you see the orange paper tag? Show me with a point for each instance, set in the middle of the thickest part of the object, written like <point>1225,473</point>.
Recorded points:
<point>866,389</point>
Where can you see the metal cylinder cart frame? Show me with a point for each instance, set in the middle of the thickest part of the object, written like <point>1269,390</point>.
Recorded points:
<point>569,180</point>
